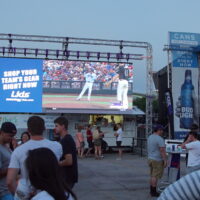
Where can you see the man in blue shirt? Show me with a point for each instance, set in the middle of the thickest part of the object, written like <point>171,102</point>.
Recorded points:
<point>157,159</point>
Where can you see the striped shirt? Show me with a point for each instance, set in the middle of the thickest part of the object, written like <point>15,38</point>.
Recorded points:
<point>186,188</point>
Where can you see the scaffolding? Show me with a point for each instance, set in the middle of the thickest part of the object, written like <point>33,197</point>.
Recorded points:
<point>70,48</point>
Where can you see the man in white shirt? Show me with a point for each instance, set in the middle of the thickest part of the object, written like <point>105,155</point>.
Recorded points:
<point>192,144</point>
<point>90,77</point>
<point>118,134</point>
<point>36,127</point>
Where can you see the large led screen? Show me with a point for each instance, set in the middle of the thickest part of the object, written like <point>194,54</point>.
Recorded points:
<point>34,85</point>
<point>20,85</point>
<point>87,85</point>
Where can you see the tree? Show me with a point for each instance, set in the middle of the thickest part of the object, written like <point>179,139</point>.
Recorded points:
<point>155,105</point>
<point>140,102</point>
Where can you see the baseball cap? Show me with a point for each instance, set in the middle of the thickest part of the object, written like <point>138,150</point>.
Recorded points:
<point>8,127</point>
<point>158,127</point>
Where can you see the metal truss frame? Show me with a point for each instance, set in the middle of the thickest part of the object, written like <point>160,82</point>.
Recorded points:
<point>66,52</point>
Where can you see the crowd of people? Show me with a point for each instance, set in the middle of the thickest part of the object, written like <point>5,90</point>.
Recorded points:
<point>36,168</point>
<point>96,143</point>
<point>74,70</point>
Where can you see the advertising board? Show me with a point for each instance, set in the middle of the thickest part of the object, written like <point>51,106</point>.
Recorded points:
<point>184,81</point>
<point>20,85</point>
<point>35,85</point>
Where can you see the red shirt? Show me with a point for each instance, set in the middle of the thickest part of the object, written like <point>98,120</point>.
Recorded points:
<point>89,135</point>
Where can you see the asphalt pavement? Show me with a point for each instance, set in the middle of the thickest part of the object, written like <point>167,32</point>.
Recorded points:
<point>111,179</point>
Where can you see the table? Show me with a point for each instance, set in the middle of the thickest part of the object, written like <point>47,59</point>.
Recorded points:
<point>174,163</point>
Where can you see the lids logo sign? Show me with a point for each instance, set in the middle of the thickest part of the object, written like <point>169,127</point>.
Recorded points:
<point>19,94</point>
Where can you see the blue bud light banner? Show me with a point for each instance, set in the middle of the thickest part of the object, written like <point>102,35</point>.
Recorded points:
<point>20,85</point>
<point>184,81</point>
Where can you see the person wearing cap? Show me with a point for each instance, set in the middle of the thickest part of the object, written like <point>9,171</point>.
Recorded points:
<point>157,159</point>
<point>90,77</point>
<point>194,128</point>
<point>192,144</point>
<point>7,133</point>
<point>36,127</point>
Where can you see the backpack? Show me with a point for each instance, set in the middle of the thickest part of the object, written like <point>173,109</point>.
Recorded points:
<point>96,135</point>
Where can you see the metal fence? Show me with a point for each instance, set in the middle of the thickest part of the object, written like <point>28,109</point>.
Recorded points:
<point>140,146</point>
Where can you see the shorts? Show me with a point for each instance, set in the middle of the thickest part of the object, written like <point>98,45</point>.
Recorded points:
<point>90,143</point>
<point>119,143</point>
<point>156,168</point>
<point>97,142</point>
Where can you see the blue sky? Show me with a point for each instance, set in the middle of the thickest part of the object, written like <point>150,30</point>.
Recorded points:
<point>135,20</point>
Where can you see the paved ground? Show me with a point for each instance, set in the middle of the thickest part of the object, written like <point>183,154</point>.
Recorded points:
<point>110,179</point>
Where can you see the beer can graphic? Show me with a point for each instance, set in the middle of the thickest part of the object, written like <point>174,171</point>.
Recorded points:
<point>187,101</point>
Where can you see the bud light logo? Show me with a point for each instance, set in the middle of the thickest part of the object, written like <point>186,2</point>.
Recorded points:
<point>187,102</point>
<point>186,112</point>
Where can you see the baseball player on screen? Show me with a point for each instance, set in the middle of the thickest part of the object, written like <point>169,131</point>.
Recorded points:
<point>122,87</point>
<point>90,77</point>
